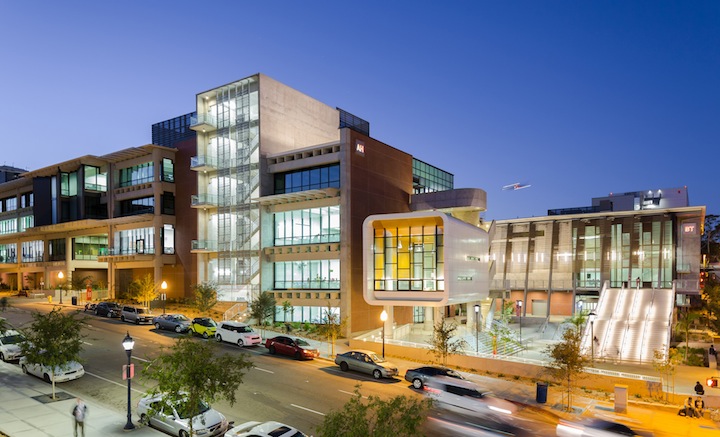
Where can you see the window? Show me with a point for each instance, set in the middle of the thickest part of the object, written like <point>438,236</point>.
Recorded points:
<point>134,241</point>
<point>168,170</point>
<point>409,259</point>
<point>144,205</point>
<point>56,249</point>
<point>8,253</point>
<point>27,222</point>
<point>8,226</point>
<point>88,247</point>
<point>168,203</point>
<point>137,174</point>
<point>308,179</point>
<point>307,226</point>
<point>68,184</point>
<point>94,180</point>
<point>32,251</point>
<point>312,274</point>
<point>8,204</point>
<point>168,239</point>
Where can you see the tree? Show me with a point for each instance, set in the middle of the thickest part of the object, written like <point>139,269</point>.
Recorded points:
<point>262,308</point>
<point>332,327</point>
<point>287,308</point>
<point>400,416</point>
<point>442,340</point>
<point>710,239</point>
<point>711,299</point>
<point>53,340</point>
<point>205,296</point>
<point>145,289</point>
<point>566,358</point>
<point>666,365</point>
<point>684,325</point>
<point>190,372</point>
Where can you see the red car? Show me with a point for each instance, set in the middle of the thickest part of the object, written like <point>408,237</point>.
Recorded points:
<point>294,347</point>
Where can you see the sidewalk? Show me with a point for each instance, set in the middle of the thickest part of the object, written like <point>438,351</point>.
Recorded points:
<point>24,414</point>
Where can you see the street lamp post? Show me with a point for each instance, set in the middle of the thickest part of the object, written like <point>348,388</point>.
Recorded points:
<point>163,296</point>
<point>477,328</point>
<point>383,318</point>
<point>592,338</point>
<point>60,278</point>
<point>128,344</point>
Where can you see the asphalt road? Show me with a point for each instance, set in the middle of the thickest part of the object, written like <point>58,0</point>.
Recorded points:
<point>298,393</point>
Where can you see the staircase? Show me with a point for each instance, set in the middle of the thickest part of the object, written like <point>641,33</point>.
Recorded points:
<point>630,324</point>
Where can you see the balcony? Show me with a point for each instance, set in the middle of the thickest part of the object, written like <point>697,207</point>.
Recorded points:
<point>203,123</point>
<point>204,201</point>
<point>203,163</point>
<point>203,246</point>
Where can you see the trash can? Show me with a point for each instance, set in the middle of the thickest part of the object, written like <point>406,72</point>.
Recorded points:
<point>541,392</point>
<point>74,300</point>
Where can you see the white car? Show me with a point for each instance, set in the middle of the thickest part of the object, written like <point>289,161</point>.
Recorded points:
<point>67,372</point>
<point>238,333</point>
<point>171,418</point>
<point>465,397</point>
<point>264,429</point>
<point>10,342</point>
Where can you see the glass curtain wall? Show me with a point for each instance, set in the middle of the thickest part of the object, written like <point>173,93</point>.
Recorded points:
<point>312,274</point>
<point>409,258</point>
<point>306,226</point>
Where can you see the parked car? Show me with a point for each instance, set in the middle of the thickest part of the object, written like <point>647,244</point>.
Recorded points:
<point>136,315</point>
<point>67,372</point>
<point>90,306</point>
<point>419,376</point>
<point>367,362</point>
<point>264,429</point>
<point>173,418</point>
<point>294,347</point>
<point>172,322</point>
<point>10,345</point>
<point>596,428</point>
<point>108,309</point>
<point>465,397</point>
<point>204,326</point>
<point>238,333</point>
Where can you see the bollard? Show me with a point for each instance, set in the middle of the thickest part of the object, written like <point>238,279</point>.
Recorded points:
<point>49,299</point>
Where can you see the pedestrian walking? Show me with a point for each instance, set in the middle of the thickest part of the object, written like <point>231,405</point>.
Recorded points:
<point>79,413</point>
<point>712,351</point>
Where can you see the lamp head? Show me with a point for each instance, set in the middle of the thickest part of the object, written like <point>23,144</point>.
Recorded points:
<point>163,285</point>
<point>477,309</point>
<point>61,275</point>
<point>128,343</point>
<point>383,315</point>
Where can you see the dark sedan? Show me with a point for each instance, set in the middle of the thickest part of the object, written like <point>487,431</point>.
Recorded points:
<point>420,376</point>
<point>108,309</point>
<point>172,322</point>
<point>294,347</point>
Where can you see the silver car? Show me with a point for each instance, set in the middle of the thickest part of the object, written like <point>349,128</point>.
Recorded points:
<point>367,362</point>
<point>172,322</point>
<point>159,413</point>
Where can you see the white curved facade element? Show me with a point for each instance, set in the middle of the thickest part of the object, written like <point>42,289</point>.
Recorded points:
<point>423,258</point>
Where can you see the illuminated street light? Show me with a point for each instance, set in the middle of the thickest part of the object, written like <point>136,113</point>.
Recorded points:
<point>383,318</point>
<point>128,344</point>
<point>61,275</point>
<point>163,296</point>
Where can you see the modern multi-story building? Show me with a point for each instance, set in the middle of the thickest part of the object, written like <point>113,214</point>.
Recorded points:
<point>108,219</point>
<point>284,185</point>
<point>629,259</point>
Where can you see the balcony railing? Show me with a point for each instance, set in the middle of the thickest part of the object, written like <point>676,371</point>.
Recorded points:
<point>203,122</point>
<point>203,163</point>
<point>204,200</point>
<point>204,245</point>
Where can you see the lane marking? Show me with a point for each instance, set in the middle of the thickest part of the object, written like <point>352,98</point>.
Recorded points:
<point>263,370</point>
<point>140,359</point>
<point>113,382</point>
<point>89,344</point>
<point>307,409</point>
<point>351,393</point>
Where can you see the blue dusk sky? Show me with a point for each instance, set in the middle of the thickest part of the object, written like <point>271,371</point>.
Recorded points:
<point>577,98</point>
